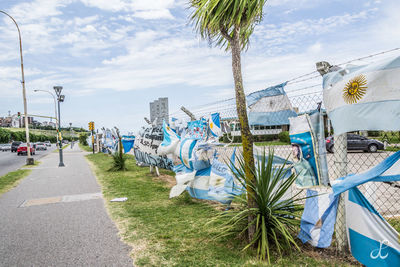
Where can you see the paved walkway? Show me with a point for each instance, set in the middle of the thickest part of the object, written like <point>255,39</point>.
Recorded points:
<point>56,217</point>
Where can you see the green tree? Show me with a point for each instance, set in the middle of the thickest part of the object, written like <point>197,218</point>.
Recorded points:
<point>83,139</point>
<point>229,24</point>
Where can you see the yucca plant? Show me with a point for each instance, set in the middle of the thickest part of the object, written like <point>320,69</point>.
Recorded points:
<point>119,159</point>
<point>276,215</point>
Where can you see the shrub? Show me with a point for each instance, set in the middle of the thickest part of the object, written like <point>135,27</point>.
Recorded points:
<point>373,133</point>
<point>119,162</point>
<point>5,136</point>
<point>284,137</point>
<point>83,139</point>
<point>275,218</point>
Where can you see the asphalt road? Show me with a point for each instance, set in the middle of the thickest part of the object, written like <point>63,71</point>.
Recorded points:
<point>11,162</point>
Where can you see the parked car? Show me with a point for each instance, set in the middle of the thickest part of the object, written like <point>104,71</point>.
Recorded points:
<point>15,145</point>
<point>41,146</point>
<point>5,147</point>
<point>356,142</point>
<point>23,149</point>
<point>47,143</point>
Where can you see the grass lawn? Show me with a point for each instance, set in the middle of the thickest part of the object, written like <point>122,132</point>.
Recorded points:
<point>11,180</point>
<point>395,222</point>
<point>173,232</point>
<point>392,148</point>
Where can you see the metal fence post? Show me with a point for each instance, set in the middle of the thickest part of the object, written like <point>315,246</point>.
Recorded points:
<point>340,164</point>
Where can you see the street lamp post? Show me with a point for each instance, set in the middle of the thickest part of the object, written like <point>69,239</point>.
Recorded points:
<point>55,106</point>
<point>29,160</point>
<point>60,98</point>
<point>70,134</point>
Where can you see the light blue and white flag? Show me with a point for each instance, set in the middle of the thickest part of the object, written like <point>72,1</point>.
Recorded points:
<point>215,125</point>
<point>372,240</point>
<point>386,171</point>
<point>173,124</point>
<point>318,219</point>
<point>364,97</point>
<point>270,106</point>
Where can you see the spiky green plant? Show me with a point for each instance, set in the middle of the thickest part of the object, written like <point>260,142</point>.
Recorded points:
<point>276,215</point>
<point>118,157</point>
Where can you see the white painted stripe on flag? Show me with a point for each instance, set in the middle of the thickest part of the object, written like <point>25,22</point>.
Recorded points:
<point>359,219</point>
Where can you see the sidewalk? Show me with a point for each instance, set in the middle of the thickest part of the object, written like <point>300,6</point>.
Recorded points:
<point>56,217</point>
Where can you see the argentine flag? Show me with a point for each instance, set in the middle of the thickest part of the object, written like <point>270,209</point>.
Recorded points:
<point>270,106</point>
<point>364,97</point>
<point>318,219</point>
<point>373,241</point>
<point>215,125</point>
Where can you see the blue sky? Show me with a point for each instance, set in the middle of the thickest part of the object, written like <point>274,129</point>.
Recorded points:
<point>113,57</point>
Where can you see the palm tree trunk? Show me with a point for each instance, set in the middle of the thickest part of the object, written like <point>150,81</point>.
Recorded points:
<point>247,138</point>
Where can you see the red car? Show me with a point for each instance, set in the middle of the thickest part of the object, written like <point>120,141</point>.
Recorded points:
<point>22,149</point>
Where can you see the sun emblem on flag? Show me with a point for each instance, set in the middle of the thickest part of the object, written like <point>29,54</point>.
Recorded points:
<point>355,89</point>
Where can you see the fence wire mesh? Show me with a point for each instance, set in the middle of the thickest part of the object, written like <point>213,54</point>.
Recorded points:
<point>383,196</point>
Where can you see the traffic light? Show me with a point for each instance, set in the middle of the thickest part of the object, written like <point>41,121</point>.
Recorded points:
<point>19,114</point>
<point>91,126</point>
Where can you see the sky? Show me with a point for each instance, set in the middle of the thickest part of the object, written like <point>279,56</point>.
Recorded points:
<point>113,57</point>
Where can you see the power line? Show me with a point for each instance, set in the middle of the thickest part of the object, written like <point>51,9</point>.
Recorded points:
<point>295,80</point>
<point>369,56</point>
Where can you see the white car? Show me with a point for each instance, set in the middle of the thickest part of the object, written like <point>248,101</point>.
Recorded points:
<point>41,146</point>
<point>5,147</point>
<point>47,143</point>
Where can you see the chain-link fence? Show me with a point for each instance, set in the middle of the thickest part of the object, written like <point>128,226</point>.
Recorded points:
<point>362,153</point>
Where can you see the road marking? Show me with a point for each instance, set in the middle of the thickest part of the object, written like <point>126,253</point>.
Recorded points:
<point>60,199</point>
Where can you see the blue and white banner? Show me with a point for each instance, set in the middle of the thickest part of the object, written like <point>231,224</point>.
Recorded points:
<point>318,219</point>
<point>197,129</point>
<point>270,107</point>
<point>215,182</point>
<point>146,147</point>
<point>309,153</point>
<point>372,240</point>
<point>127,142</point>
<point>386,171</point>
<point>364,97</point>
<point>215,125</point>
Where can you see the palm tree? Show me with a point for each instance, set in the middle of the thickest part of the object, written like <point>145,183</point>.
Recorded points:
<point>229,24</point>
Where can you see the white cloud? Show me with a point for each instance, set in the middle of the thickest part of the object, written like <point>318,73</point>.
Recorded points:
<point>154,14</point>
<point>155,9</point>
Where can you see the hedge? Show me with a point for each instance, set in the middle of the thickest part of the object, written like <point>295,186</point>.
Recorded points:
<point>7,136</point>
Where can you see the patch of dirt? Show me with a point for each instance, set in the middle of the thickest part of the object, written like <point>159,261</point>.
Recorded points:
<point>329,254</point>
<point>168,179</point>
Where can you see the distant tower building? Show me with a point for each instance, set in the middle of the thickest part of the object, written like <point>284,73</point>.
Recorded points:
<point>159,110</point>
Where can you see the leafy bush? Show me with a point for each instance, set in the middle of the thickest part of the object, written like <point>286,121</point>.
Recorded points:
<point>5,136</point>
<point>83,139</point>
<point>276,217</point>
<point>373,133</point>
<point>284,137</point>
